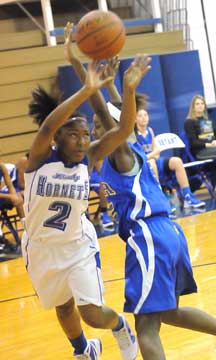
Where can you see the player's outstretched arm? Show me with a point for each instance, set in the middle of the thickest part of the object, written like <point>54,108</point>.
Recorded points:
<point>41,144</point>
<point>70,55</point>
<point>132,77</point>
<point>111,70</point>
<point>113,138</point>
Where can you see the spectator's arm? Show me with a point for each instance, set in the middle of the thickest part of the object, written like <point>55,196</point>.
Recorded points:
<point>191,131</point>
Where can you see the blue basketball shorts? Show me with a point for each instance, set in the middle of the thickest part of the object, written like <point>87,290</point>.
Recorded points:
<point>157,266</point>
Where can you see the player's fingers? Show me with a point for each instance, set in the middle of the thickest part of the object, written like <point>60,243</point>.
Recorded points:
<point>107,79</point>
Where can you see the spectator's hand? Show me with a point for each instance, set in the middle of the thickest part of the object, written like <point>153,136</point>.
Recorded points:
<point>16,199</point>
<point>213,143</point>
<point>68,47</point>
<point>138,68</point>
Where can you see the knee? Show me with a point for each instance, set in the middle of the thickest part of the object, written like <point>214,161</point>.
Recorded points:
<point>147,329</point>
<point>147,325</point>
<point>98,317</point>
<point>175,163</point>
<point>65,309</point>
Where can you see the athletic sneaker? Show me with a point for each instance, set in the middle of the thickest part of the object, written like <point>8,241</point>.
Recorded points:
<point>92,351</point>
<point>127,341</point>
<point>191,200</point>
<point>106,220</point>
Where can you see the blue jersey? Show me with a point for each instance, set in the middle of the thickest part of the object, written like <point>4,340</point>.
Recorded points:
<point>134,197</point>
<point>157,260</point>
<point>145,140</point>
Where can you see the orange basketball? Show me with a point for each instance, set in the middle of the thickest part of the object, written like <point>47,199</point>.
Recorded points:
<point>100,34</point>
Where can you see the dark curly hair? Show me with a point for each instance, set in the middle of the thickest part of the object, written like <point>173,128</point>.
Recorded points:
<point>42,104</point>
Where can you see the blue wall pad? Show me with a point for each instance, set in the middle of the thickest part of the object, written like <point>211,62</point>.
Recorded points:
<point>152,85</point>
<point>182,80</point>
<point>69,84</point>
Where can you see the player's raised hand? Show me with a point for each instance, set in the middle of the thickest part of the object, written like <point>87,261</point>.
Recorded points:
<point>138,68</point>
<point>112,67</point>
<point>68,46</point>
<point>96,76</point>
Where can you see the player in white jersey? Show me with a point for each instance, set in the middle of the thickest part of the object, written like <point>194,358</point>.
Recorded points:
<point>157,266</point>
<point>59,245</point>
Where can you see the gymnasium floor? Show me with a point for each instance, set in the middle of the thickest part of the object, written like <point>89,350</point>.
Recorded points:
<point>29,332</point>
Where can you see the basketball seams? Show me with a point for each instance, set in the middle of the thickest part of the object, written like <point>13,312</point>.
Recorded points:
<point>100,35</point>
<point>99,49</point>
<point>98,30</point>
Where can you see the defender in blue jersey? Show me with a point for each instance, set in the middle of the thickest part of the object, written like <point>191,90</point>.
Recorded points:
<point>157,264</point>
<point>59,244</point>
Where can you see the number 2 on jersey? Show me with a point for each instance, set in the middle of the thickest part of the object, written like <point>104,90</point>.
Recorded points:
<point>57,221</point>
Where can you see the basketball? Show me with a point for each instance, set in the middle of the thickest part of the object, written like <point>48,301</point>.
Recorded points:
<point>100,34</point>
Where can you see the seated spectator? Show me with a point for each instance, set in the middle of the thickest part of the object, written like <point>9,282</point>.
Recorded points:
<point>161,165</point>
<point>200,130</point>
<point>9,195</point>
<point>9,192</point>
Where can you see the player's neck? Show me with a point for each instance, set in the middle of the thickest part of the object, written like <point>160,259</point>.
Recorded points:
<point>142,129</point>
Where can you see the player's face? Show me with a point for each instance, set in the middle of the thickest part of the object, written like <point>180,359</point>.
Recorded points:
<point>98,129</point>
<point>142,118</point>
<point>73,140</point>
<point>199,107</point>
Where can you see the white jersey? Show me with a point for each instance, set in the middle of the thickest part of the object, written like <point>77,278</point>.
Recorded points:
<point>56,199</point>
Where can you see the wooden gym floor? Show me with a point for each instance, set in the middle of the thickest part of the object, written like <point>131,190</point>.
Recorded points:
<point>29,332</point>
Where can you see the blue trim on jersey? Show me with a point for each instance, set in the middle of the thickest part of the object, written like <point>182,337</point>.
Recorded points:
<point>26,250</point>
<point>30,190</point>
<point>97,258</point>
<point>98,268</point>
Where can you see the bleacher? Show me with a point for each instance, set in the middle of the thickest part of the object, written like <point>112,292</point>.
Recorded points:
<point>26,61</point>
